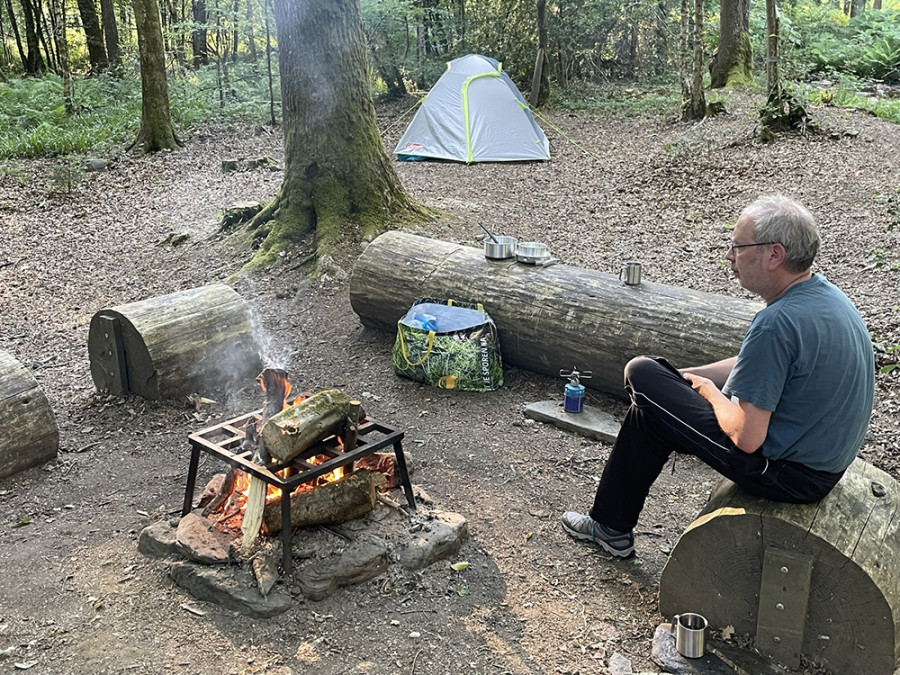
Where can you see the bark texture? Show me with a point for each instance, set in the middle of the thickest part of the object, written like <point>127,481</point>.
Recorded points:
<point>34,62</point>
<point>174,345</point>
<point>93,34</point>
<point>337,172</point>
<point>110,32</point>
<point>28,432</point>
<point>199,44</point>
<point>156,131</point>
<point>732,64</point>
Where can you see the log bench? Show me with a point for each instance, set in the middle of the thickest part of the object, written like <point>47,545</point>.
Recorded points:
<point>28,432</point>
<point>550,318</point>
<point>819,580</point>
<point>178,344</point>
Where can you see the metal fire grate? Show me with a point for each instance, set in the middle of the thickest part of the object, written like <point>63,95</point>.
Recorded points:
<point>225,440</point>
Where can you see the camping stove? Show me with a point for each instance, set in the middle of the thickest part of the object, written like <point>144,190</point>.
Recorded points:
<point>225,441</point>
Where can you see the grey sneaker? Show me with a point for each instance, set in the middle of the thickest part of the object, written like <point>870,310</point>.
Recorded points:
<point>584,528</point>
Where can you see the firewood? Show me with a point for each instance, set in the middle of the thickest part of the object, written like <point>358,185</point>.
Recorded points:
<point>342,500</point>
<point>275,384</point>
<point>303,424</point>
<point>253,512</point>
<point>351,430</point>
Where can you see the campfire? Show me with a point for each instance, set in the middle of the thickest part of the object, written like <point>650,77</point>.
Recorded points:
<point>294,463</point>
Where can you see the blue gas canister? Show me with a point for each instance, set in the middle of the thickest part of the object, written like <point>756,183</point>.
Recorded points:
<point>574,402</point>
<point>574,398</point>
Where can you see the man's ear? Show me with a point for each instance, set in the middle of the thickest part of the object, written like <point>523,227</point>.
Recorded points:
<point>777,255</point>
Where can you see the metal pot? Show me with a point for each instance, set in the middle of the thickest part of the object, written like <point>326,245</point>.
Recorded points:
<point>502,248</point>
<point>532,250</point>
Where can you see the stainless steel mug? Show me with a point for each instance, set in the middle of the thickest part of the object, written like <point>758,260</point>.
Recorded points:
<point>631,273</point>
<point>690,635</point>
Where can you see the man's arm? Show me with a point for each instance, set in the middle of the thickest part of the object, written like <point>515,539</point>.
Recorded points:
<point>744,423</point>
<point>717,372</point>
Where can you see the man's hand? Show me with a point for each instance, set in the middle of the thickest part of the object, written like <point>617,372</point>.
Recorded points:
<point>744,423</point>
<point>702,385</point>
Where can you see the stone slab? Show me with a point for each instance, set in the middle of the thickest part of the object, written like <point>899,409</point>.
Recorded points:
<point>591,422</point>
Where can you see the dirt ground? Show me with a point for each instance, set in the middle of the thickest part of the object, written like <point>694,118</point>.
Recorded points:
<point>77,597</point>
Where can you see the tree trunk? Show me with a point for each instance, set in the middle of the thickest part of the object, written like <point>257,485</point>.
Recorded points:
<point>199,45</point>
<point>684,45</point>
<point>540,82</point>
<point>15,29</point>
<point>857,7</point>
<point>93,34</point>
<point>111,33</point>
<point>551,318</point>
<point>34,62</point>
<point>251,36</point>
<point>773,77</point>
<point>698,100</point>
<point>337,173</point>
<point>732,64</point>
<point>156,131</point>
<point>62,48</point>
<point>45,33</point>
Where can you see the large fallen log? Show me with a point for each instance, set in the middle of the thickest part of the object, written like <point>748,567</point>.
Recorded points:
<point>817,580</point>
<point>550,318</point>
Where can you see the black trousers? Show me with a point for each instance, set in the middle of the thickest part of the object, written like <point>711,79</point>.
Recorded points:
<point>667,415</point>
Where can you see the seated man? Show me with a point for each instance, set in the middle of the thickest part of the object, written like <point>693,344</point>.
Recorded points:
<point>783,419</point>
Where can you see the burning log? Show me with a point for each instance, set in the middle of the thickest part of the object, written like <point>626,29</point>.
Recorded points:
<point>302,425</point>
<point>328,504</point>
<point>28,432</point>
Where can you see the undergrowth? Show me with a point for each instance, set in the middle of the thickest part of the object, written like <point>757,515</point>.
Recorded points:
<point>107,109</point>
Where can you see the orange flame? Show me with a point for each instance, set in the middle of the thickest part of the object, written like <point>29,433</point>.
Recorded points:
<point>237,502</point>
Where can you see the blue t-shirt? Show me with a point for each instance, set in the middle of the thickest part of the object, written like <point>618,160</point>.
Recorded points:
<point>808,358</point>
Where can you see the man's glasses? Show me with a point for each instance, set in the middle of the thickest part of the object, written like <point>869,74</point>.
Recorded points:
<point>759,243</point>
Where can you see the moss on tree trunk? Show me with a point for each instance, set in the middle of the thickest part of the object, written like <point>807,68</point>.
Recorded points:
<point>337,174</point>
<point>732,64</point>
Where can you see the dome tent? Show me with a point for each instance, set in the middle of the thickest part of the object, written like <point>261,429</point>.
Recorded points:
<point>474,113</point>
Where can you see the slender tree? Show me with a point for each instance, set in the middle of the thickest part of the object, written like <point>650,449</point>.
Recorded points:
<point>693,102</point>
<point>156,131</point>
<point>15,29</point>
<point>93,34</point>
<point>62,48</point>
<point>34,62</point>
<point>540,81</point>
<point>732,64</point>
<point>338,180</point>
<point>111,33</point>
<point>782,111</point>
<point>198,35</point>
<point>251,37</point>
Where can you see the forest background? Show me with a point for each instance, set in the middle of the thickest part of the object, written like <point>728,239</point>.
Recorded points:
<point>70,71</point>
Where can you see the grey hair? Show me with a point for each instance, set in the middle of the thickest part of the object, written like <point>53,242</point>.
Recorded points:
<point>781,219</point>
